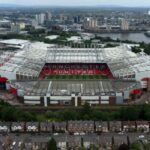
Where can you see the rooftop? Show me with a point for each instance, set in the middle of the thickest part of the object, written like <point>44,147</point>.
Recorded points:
<point>66,88</point>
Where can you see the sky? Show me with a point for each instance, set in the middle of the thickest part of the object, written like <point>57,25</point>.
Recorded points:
<point>78,2</point>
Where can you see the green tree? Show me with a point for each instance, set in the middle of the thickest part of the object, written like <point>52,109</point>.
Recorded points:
<point>125,113</point>
<point>82,148</point>
<point>93,147</point>
<point>52,145</point>
<point>115,147</point>
<point>86,110</point>
<point>68,115</point>
<point>135,146</point>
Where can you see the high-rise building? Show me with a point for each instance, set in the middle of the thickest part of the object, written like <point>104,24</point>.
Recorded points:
<point>77,19</point>
<point>149,12</point>
<point>61,17</point>
<point>48,16</point>
<point>34,23</point>
<point>40,18</point>
<point>93,23</point>
<point>22,25</point>
<point>90,23</point>
<point>124,24</point>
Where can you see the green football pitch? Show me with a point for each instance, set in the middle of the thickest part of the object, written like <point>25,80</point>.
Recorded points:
<point>75,77</point>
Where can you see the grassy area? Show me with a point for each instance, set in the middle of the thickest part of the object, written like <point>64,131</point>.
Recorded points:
<point>76,77</point>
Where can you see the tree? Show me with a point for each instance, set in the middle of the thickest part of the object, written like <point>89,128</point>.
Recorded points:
<point>52,145</point>
<point>114,147</point>
<point>86,110</point>
<point>93,147</point>
<point>136,146</point>
<point>125,113</point>
<point>82,148</point>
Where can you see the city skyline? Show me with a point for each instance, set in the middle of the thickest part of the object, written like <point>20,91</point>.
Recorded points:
<point>127,3</point>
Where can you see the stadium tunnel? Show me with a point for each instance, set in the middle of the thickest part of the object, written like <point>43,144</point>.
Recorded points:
<point>3,81</point>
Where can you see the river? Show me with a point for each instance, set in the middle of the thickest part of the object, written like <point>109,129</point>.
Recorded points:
<point>137,37</point>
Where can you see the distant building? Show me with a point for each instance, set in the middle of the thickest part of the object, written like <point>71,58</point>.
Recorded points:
<point>40,18</point>
<point>149,12</point>
<point>115,27</point>
<point>32,126</point>
<point>15,28</point>
<point>60,127</point>
<point>87,36</point>
<point>18,127</point>
<point>129,126</point>
<point>62,17</point>
<point>4,127</point>
<point>34,23</point>
<point>142,126</point>
<point>52,37</point>
<point>75,39</point>
<point>46,127</point>
<point>76,27</point>
<point>77,19</point>
<point>115,126</point>
<point>5,23</point>
<point>48,16</point>
<point>90,23</point>
<point>124,24</point>
<point>81,126</point>
<point>101,126</point>
<point>22,25</point>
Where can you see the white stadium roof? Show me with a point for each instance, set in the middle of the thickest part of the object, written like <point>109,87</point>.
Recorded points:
<point>29,61</point>
<point>14,41</point>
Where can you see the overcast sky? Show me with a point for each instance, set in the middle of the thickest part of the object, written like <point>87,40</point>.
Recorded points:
<point>79,2</point>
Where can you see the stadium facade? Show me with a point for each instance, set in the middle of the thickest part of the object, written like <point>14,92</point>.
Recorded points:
<point>24,72</point>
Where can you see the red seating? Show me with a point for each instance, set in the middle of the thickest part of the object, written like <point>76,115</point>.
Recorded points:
<point>135,92</point>
<point>3,79</point>
<point>75,69</point>
<point>13,90</point>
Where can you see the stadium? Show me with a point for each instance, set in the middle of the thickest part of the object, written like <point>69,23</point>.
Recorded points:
<point>44,74</point>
